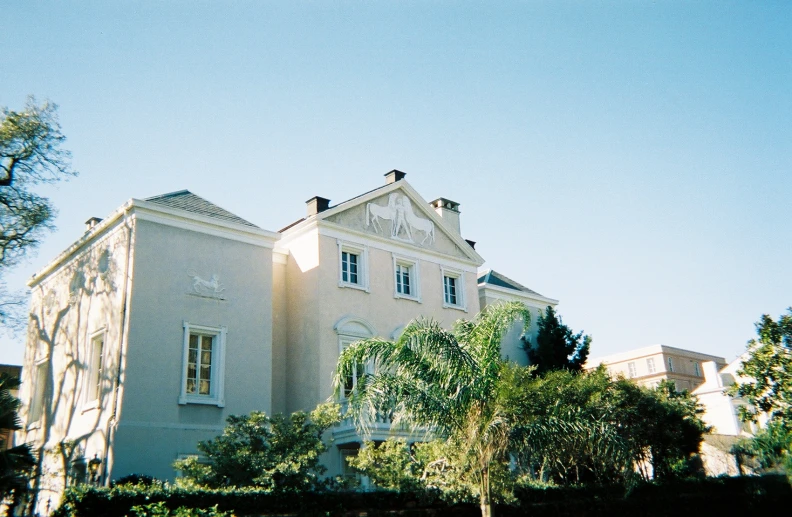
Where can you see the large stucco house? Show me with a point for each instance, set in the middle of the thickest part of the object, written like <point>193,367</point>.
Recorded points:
<point>172,313</point>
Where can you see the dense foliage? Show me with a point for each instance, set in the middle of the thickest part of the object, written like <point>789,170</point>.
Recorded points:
<point>713,496</point>
<point>279,453</point>
<point>449,382</point>
<point>768,370</point>
<point>767,390</point>
<point>556,346</point>
<point>15,462</point>
<point>501,425</point>
<point>567,429</point>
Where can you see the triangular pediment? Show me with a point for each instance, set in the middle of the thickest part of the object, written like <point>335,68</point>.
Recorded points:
<point>399,214</point>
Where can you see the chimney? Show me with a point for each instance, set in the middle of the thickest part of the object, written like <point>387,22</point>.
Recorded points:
<point>394,176</point>
<point>90,223</point>
<point>317,204</point>
<point>449,211</point>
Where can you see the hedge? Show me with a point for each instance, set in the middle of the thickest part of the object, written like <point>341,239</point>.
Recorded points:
<point>713,496</point>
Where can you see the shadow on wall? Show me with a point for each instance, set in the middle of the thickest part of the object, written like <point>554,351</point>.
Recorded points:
<point>70,303</point>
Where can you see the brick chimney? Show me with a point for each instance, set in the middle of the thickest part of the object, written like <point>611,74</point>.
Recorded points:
<point>317,204</point>
<point>449,211</point>
<point>394,176</point>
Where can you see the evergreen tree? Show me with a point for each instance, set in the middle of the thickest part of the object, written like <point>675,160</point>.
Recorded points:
<point>557,347</point>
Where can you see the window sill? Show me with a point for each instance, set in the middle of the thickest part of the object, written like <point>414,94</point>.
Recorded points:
<point>457,307</point>
<point>205,401</point>
<point>416,299</point>
<point>350,285</point>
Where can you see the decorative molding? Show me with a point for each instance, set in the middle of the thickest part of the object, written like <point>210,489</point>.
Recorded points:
<point>372,240</point>
<point>211,288</point>
<point>342,327</point>
<point>403,220</point>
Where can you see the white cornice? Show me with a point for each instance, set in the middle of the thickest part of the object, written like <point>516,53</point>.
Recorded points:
<point>88,238</point>
<point>652,350</point>
<point>337,231</point>
<point>502,293</point>
<point>136,209</point>
<point>148,211</point>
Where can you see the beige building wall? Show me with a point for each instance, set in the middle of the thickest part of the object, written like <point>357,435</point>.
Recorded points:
<point>323,313</point>
<point>649,365</point>
<point>152,417</point>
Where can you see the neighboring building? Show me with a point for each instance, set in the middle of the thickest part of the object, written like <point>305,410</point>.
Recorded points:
<point>15,372</point>
<point>649,365</point>
<point>721,409</point>
<point>173,313</point>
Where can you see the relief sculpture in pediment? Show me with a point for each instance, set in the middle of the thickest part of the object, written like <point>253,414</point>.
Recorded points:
<point>403,221</point>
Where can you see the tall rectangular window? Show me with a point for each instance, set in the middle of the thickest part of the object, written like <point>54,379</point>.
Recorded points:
<point>650,365</point>
<point>670,365</point>
<point>631,369</point>
<point>453,288</point>
<point>349,267</point>
<point>199,365</point>
<point>39,392</point>
<point>403,274</point>
<point>406,278</point>
<point>202,376</point>
<point>696,369</point>
<point>94,379</point>
<point>353,267</point>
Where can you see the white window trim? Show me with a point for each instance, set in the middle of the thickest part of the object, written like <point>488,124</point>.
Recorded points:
<point>670,365</point>
<point>415,278</point>
<point>36,424</point>
<point>94,403</point>
<point>217,398</point>
<point>459,275</point>
<point>650,365</point>
<point>632,370</point>
<point>361,251</point>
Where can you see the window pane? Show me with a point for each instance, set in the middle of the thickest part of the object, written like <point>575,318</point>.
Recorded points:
<point>403,279</point>
<point>353,268</point>
<point>449,284</point>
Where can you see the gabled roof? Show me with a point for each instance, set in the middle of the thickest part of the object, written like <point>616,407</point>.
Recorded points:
<point>492,277</point>
<point>419,203</point>
<point>301,219</point>
<point>189,202</point>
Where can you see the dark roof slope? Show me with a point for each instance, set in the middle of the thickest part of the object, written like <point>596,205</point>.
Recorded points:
<point>189,202</point>
<point>492,277</point>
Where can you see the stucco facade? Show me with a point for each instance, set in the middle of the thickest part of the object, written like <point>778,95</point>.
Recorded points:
<point>172,314</point>
<point>648,366</point>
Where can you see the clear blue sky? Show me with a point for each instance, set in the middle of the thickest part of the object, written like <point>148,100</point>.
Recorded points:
<point>631,159</point>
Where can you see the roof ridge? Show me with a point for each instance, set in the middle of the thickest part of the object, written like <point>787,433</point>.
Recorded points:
<point>170,194</point>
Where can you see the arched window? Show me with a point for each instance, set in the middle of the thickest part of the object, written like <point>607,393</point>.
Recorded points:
<point>351,329</point>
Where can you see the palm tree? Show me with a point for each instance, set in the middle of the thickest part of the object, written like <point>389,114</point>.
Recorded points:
<point>448,383</point>
<point>15,462</point>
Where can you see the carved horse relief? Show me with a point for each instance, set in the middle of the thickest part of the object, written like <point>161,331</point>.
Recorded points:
<point>403,220</point>
<point>212,287</point>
